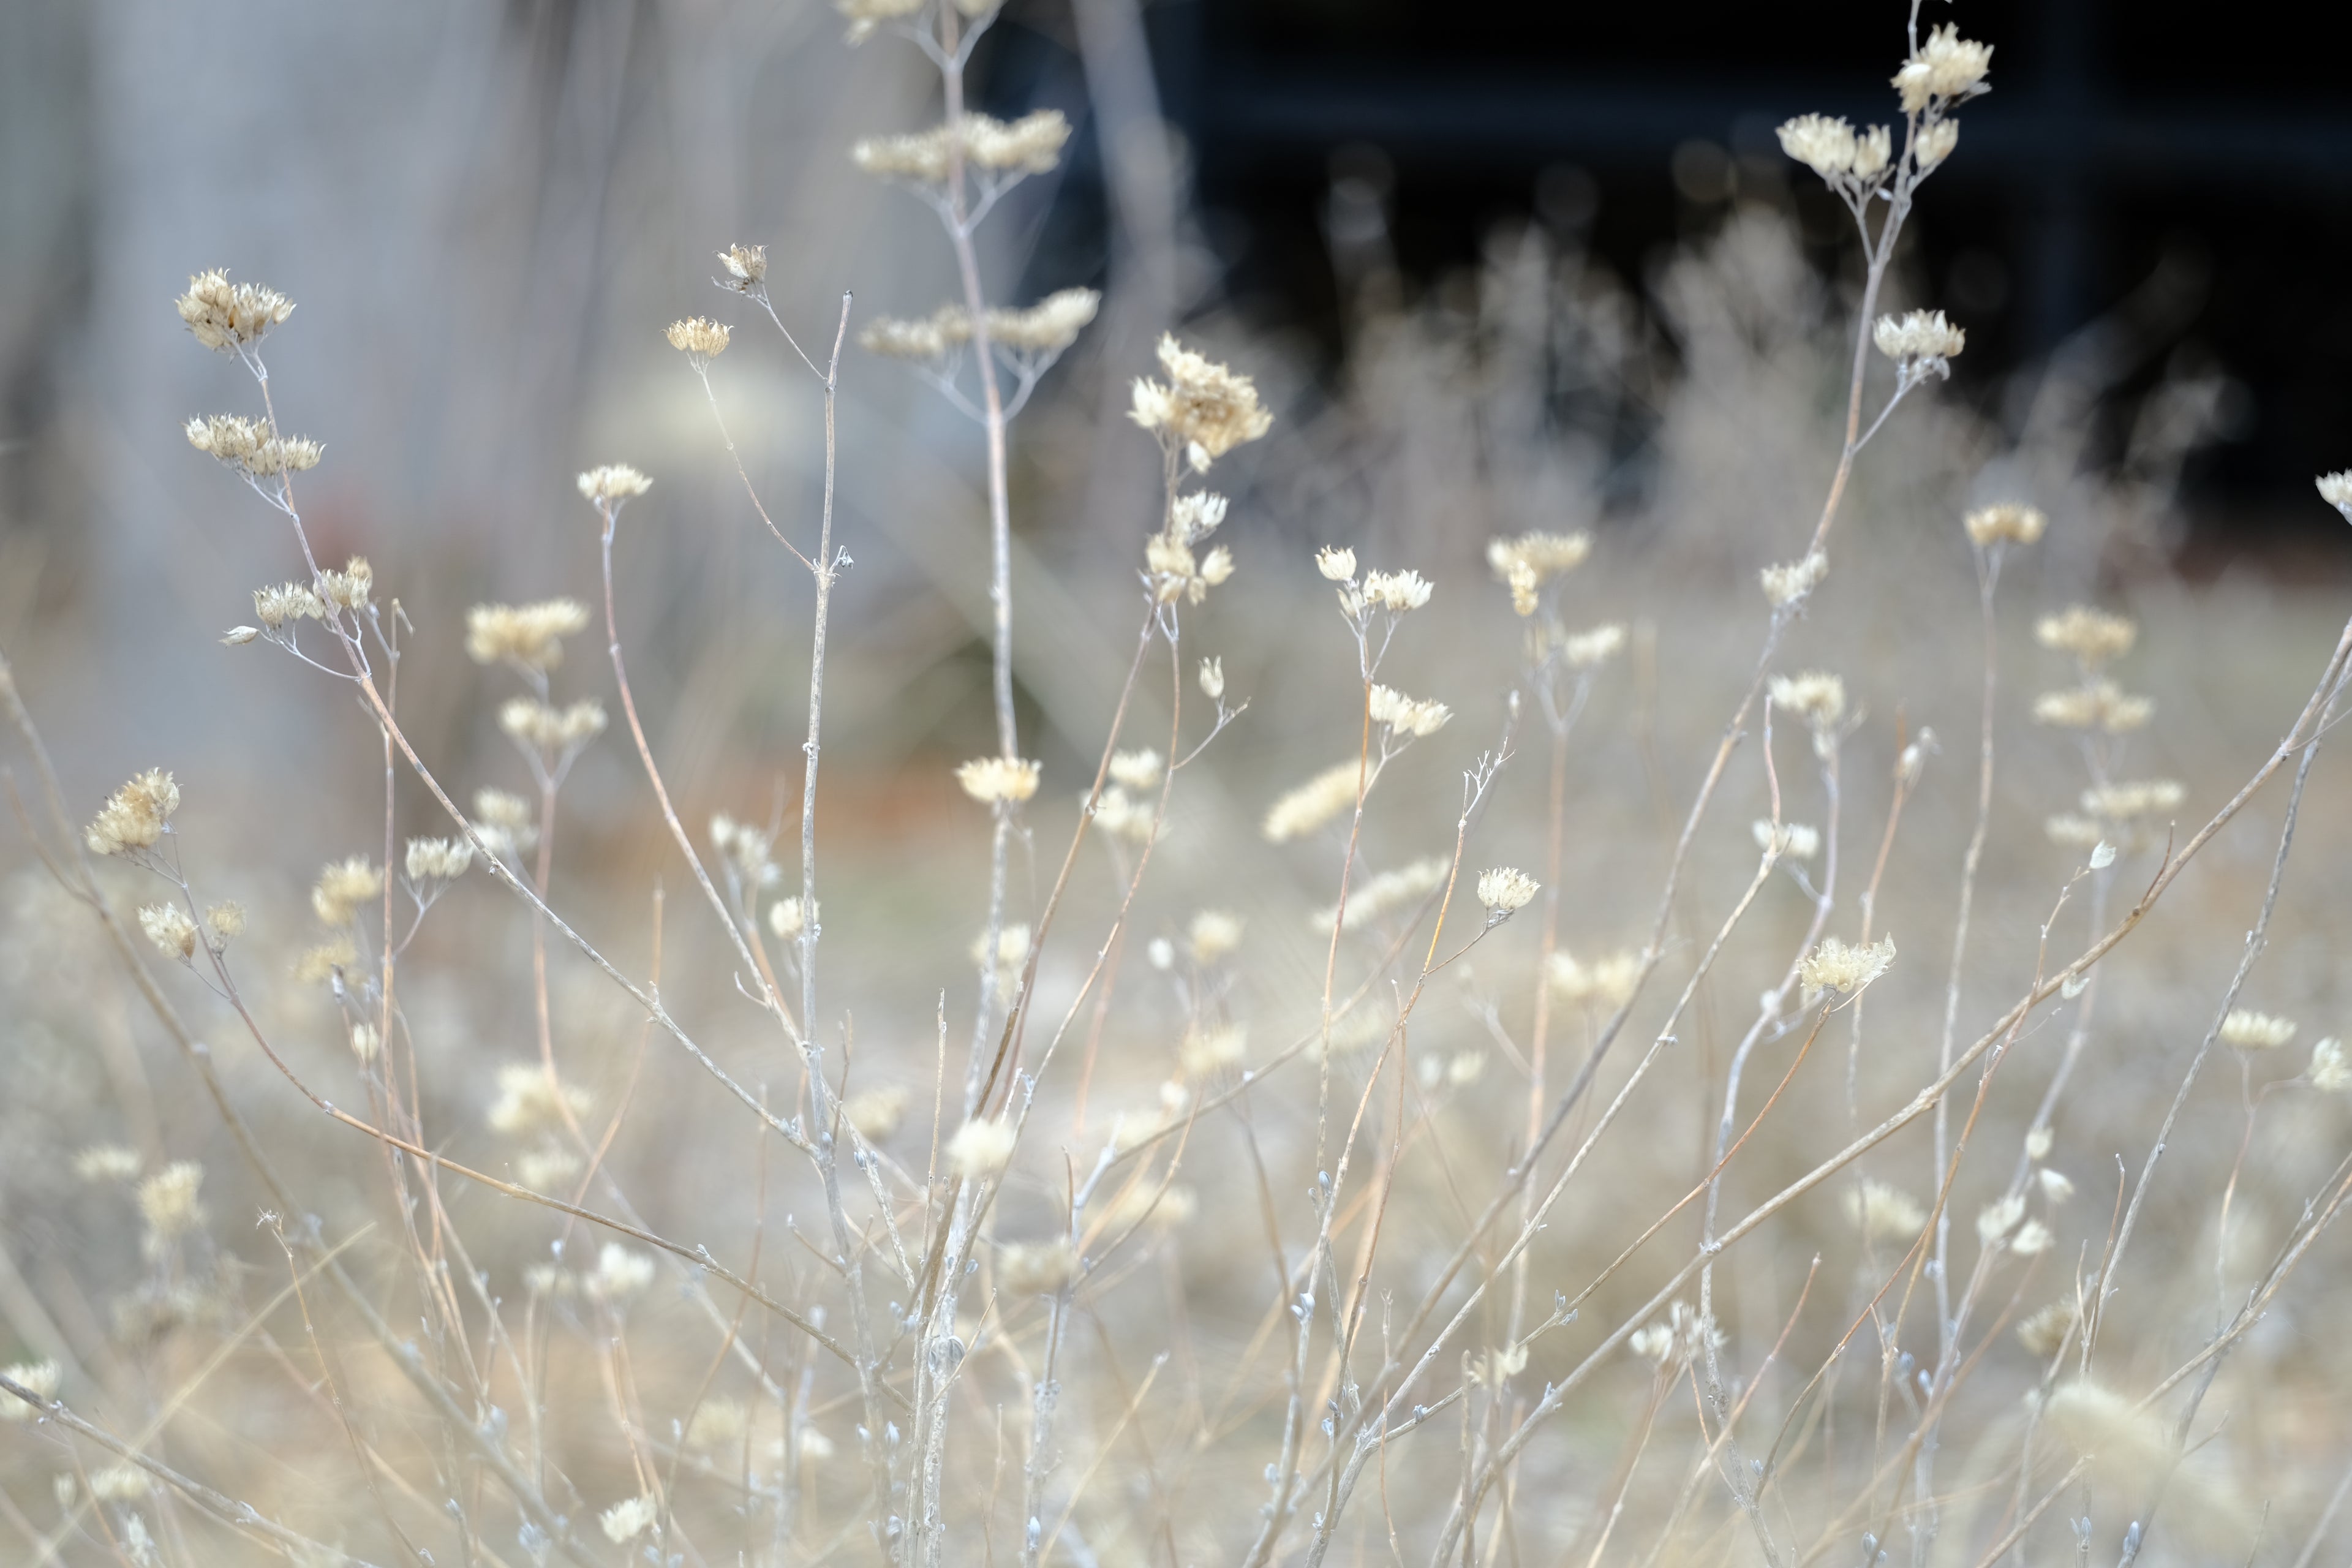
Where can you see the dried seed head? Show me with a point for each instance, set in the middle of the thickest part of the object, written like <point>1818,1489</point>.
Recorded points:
<point>530,637</point>
<point>1313,804</point>
<point>699,339</point>
<point>1590,651</point>
<point>170,928</point>
<point>613,482</point>
<point>2093,637</point>
<point>1212,934</point>
<point>107,1162</point>
<point>1997,1219</point>
<point>2251,1031</point>
<point>1922,341</point>
<point>2095,705</point>
<point>135,815</point>
<point>168,1200</point>
<point>746,267</point>
<point>1884,1214</point>
<point>324,961</point>
<point>1527,562</point>
<point>2331,1067</point>
<point>1822,144</point>
<point>37,1377</point>
<point>1946,68</point>
<point>1407,717</point>
<point>2144,797</point>
<point>367,1044</point>
<point>998,780</point>
<point>2056,1186</point>
<point>1047,327</point>
<point>864,15</point>
<point>1212,679</point>
<point>2006,523</point>
<point>1136,770</point>
<point>1506,889</point>
<point>1604,986</point>
<point>1817,697</point>
<point>2336,490</point>
<point>1397,592</point>
<point>1206,1052</point>
<point>1937,142</point>
<point>1789,582</point>
<point>343,887</point>
<point>530,1102</point>
<point>1029,145</point>
<point>876,1112</point>
<point>438,860</point>
<point>1203,406</point>
<point>1337,564</point>
<point>1036,1268</point>
<point>2045,1333</point>
<point>620,1274</point>
<point>1378,897</point>
<point>981,1149</point>
<point>274,607</point>
<point>225,316</point>
<point>1835,968</point>
<point>1677,1339</point>
<point>1794,840</point>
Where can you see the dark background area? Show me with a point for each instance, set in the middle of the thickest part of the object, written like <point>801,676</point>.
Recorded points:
<point>2190,170</point>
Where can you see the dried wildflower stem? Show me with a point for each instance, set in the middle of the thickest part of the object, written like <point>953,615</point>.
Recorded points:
<point>227,1509</point>
<point>85,888</point>
<point>1988,582</point>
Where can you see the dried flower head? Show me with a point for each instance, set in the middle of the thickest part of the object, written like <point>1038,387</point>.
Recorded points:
<point>1377,897</point>
<point>2094,705</point>
<point>343,887</point>
<point>170,928</point>
<point>2251,1031</point>
<point>1787,584</point>
<point>1604,986</point>
<point>1541,557</point>
<point>504,822</point>
<point>2336,490</point>
<point>2005,522</point>
<point>1029,145</point>
<point>530,637</point>
<point>529,1101</point>
<point>998,780</point>
<point>1136,770</point>
<point>1120,815</point>
<point>1937,142</point>
<point>1208,1051</point>
<point>620,1274</point>
<point>1048,326</point>
<point>1213,934</point>
<point>1794,840</point>
<point>1998,1218</point>
<point>559,730</point>
<point>1816,695</point>
<point>981,1149</point>
<point>787,921</point>
<point>1824,144</point>
<point>2331,1067</point>
<point>135,815</point>
<point>1311,804</point>
<point>2072,831</point>
<point>168,1199</point>
<point>274,607</point>
<point>322,961</point>
<point>1397,592</point>
<point>438,860</point>
<point>1884,1214</point>
<point>876,1112</point>
<point>627,1520</point>
<point>1946,68</point>
<point>1203,406</point>
<point>1506,889</point>
<point>1675,1340</point>
<point>1036,1268</point>
<point>107,1162</point>
<point>2093,637</point>
<point>2122,802</point>
<point>612,483</point>
<point>2045,1333</point>
<point>36,1377</point>
<point>1407,717</point>
<point>1336,565</point>
<point>1589,651</point>
<point>1835,968</point>
<point>1212,679</point>
<point>348,588</point>
<point>746,267</point>
<point>1922,341</point>
<point>225,316</point>
<point>252,445</point>
<point>864,15</point>
<point>699,339</point>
